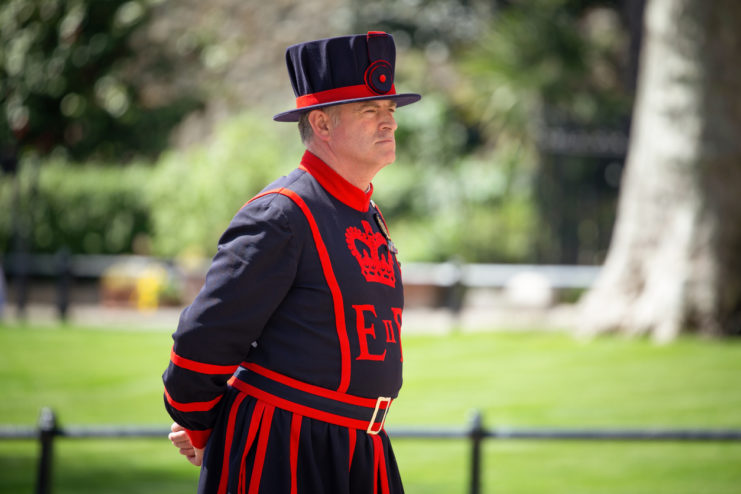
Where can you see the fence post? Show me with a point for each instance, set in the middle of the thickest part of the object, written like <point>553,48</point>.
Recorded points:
<point>476,434</point>
<point>64,282</point>
<point>47,431</point>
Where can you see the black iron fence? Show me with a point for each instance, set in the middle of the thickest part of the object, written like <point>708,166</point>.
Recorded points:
<point>48,429</point>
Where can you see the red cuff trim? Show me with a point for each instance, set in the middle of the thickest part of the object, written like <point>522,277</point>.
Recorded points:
<point>338,95</point>
<point>194,406</point>
<point>200,366</point>
<point>199,438</point>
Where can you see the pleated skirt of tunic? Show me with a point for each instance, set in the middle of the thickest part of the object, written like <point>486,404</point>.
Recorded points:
<point>256,448</point>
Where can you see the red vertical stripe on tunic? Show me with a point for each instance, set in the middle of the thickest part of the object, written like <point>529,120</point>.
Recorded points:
<point>295,436</point>
<point>262,447</point>
<point>251,434</point>
<point>379,458</point>
<point>353,437</point>
<point>334,287</point>
<point>228,443</point>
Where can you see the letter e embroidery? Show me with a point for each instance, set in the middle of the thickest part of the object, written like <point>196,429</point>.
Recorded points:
<point>364,332</point>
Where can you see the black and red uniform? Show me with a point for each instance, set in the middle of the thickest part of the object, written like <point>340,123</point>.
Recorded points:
<point>285,364</point>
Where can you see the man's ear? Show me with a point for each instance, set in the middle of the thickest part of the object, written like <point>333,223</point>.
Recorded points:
<point>320,122</point>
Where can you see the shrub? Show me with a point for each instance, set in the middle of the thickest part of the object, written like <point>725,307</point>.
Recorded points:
<point>195,193</point>
<point>474,208</point>
<point>88,209</point>
<point>445,202</point>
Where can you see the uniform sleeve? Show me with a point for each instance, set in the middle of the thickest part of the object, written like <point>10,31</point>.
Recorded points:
<point>252,271</point>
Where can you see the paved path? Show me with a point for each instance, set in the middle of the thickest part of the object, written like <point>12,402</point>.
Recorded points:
<point>417,320</point>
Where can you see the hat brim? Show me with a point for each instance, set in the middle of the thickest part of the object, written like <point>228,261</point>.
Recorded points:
<point>400,99</point>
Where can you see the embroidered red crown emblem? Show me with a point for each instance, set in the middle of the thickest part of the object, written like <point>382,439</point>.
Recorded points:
<point>374,265</point>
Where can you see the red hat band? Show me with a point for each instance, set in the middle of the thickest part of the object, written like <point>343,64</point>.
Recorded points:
<point>339,94</point>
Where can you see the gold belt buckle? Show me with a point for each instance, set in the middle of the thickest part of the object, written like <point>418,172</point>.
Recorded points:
<point>381,399</point>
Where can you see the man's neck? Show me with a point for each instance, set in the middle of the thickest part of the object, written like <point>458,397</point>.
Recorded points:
<point>349,171</point>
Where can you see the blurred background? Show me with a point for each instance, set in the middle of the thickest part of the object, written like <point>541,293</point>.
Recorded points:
<point>571,170</point>
<point>141,127</point>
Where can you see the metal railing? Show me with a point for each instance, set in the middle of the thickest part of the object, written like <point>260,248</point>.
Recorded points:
<point>47,430</point>
<point>452,278</point>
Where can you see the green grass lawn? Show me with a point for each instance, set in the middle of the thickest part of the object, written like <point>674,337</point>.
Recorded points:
<point>521,379</point>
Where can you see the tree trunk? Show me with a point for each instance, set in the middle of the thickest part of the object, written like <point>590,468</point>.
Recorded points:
<point>674,263</point>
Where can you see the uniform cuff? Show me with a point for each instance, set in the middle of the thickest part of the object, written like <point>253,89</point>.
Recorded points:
<point>199,438</point>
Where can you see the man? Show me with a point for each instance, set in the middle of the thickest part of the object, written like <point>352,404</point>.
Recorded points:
<point>284,366</point>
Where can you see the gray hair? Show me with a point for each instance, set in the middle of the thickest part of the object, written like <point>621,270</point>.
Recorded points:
<point>304,127</point>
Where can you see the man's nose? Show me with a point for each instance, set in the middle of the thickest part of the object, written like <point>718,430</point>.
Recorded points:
<point>389,122</point>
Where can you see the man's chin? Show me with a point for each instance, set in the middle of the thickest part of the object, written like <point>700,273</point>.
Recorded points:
<point>390,151</point>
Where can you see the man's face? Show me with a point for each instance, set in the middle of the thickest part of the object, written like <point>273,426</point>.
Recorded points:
<point>363,133</point>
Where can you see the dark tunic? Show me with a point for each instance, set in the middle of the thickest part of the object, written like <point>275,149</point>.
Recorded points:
<point>278,364</point>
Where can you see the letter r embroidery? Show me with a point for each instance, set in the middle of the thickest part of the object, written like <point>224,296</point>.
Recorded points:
<point>397,318</point>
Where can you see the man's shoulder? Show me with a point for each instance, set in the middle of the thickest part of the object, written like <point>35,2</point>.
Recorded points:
<point>288,191</point>
<point>286,197</point>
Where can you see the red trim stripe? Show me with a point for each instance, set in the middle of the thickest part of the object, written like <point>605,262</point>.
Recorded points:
<point>298,408</point>
<point>200,367</point>
<point>334,287</point>
<point>193,406</point>
<point>251,434</point>
<point>199,438</point>
<point>376,456</point>
<point>295,436</point>
<point>228,443</point>
<point>262,448</point>
<point>339,94</point>
<point>315,390</point>
<point>353,439</point>
<point>379,457</point>
<point>384,472</point>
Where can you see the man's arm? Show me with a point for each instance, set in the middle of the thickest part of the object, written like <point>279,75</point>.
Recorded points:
<point>252,271</point>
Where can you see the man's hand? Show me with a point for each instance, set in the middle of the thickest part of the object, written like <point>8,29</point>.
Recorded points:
<point>180,440</point>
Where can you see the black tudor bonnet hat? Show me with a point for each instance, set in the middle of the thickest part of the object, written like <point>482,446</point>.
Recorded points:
<point>342,70</point>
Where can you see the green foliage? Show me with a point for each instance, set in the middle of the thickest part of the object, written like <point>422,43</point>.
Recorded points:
<point>6,212</point>
<point>179,204</point>
<point>546,66</point>
<point>65,85</point>
<point>470,181</point>
<point>195,193</point>
<point>561,56</point>
<point>494,79</point>
<point>443,202</point>
<point>467,207</point>
<point>85,209</point>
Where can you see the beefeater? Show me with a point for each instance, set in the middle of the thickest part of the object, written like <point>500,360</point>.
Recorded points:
<point>286,363</point>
